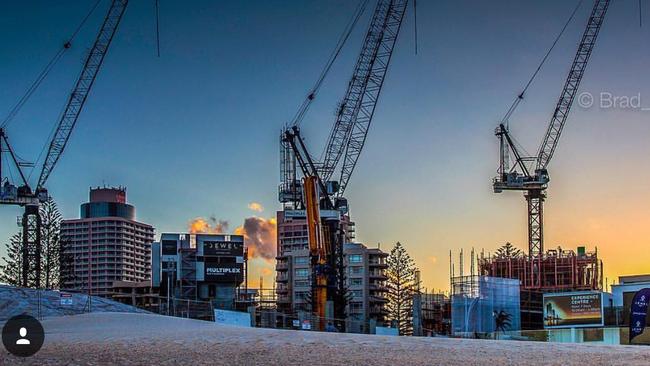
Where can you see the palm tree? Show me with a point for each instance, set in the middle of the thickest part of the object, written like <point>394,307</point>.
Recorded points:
<point>502,321</point>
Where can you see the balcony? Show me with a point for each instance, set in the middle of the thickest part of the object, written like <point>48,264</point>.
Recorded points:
<point>377,299</point>
<point>377,275</point>
<point>377,287</point>
<point>377,264</point>
<point>284,300</point>
<point>282,278</point>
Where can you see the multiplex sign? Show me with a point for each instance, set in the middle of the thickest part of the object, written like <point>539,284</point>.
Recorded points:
<point>230,272</point>
<point>301,214</point>
<point>223,248</point>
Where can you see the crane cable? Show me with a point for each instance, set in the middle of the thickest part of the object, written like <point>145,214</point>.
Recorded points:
<point>415,24</point>
<point>46,70</point>
<point>300,114</point>
<point>520,97</point>
<point>157,6</point>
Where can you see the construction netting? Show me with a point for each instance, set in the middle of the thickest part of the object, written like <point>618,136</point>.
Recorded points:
<point>482,305</point>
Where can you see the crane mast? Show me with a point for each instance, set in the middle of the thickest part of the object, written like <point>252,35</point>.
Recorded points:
<point>324,235</point>
<point>31,199</point>
<point>534,185</point>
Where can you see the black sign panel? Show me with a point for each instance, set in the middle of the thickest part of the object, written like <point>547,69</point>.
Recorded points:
<point>639,312</point>
<point>223,248</point>
<point>224,272</point>
<point>169,247</point>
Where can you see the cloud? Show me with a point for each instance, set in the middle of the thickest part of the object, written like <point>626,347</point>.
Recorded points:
<point>260,236</point>
<point>210,226</point>
<point>257,207</point>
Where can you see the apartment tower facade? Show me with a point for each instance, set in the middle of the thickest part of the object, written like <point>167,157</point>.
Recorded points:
<point>105,245</point>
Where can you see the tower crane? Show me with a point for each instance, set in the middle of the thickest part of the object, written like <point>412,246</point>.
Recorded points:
<point>30,198</point>
<point>316,191</point>
<point>530,173</point>
<point>356,109</point>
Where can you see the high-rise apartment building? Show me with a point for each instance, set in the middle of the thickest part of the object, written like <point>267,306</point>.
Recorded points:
<point>106,244</point>
<point>364,267</point>
<point>365,276</point>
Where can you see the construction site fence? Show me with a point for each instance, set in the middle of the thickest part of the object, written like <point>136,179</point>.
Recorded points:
<point>269,318</point>
<point>185,308</point>
<point>41,303</point>
<point>476,300</point>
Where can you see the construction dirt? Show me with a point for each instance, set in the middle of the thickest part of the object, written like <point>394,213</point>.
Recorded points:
<point>143,339</point>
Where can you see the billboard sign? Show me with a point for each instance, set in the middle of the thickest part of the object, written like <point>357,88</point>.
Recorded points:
<point>224,272</point>
<point>223,248</point>
<point>575,309</point>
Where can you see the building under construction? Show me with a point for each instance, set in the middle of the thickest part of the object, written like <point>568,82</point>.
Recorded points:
<point>557,270</point>
<point>554,271</point>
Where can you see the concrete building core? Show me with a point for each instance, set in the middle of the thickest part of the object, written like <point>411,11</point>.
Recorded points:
<point>106,244</point>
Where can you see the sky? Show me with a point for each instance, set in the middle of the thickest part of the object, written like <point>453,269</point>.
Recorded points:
<point>194,132</point>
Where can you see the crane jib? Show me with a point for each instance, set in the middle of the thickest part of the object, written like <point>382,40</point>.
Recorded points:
<point>570,89</point>
<point>82,88</point>
<point>357,107</point>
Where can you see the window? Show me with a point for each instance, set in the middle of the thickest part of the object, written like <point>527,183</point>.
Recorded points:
<point>355,258</point>
<point>356,307</point>
<point>356,281</point>
<point>357,293</point>
<point>356,270</point>
<point>302,260</point>
<point>302,272</point>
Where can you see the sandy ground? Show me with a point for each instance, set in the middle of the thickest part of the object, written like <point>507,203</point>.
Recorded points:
<point>142,339</point>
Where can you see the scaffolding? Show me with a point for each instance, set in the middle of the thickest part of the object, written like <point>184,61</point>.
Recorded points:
<point>260,298</point>
<point>188,283</point>
<point>436,313</point>
<point>477,301</point>
<point>557,270</point>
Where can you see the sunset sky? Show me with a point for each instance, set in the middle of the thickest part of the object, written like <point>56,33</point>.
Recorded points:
<point>194,133</point>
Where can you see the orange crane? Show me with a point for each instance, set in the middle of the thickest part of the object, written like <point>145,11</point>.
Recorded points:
<point>322,240</point>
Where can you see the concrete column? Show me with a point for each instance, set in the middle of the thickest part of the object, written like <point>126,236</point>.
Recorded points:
<point>417,315</point>
<point>251,311</point>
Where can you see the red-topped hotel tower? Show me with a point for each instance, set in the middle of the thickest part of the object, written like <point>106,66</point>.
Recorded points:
<point>106,244</point>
